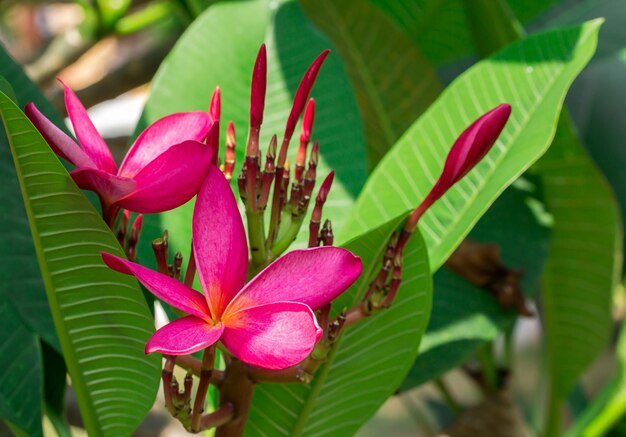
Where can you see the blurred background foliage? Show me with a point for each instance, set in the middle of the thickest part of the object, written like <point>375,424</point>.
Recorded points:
<point>532,349</point>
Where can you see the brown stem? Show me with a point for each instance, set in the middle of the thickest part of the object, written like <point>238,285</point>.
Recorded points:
<point>191,269</point>
<point>219,417</point>
<point>295,374</point>
<point>166,374</point>
<point>237,390</point>
<point>208,358</point>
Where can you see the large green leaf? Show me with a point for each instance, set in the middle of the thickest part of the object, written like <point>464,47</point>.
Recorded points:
<point>21,385</point>
<point>608,406</point>
<point>465,316</point>
<point>583,267</point>
<point>532,75</point>
<point>393,81</point>
<point>366,365</point>
<point>569,12</point>
<point>18,267</point>
<point>213,52</point>
<point>100,316</point>
<point>440,27</point>
<point>596,97</point>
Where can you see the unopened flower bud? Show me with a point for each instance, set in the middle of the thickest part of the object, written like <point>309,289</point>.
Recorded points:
<point>299,100</point>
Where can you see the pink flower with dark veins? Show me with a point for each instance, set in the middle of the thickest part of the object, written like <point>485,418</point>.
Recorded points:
<point>268,322</point>
<point>163,169</point>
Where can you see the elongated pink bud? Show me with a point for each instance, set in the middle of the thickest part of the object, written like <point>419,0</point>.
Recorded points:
<point>305,137</point>
<point>257,95</point>
<point>216,104</point>
<point>299,100</point>
<point>466,152</point>
<point>307,122</point>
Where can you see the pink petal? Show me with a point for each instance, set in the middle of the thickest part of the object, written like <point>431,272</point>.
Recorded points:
<point>172,179</point>
<point>311,276</point>
<point>88,137</point>
<point>184,336</point>
<point>162,286</point>
<point>160,136</point>
<point>274,336</point>
<point>58,140</point>
<point>109,187</point>
<point>219,242</point>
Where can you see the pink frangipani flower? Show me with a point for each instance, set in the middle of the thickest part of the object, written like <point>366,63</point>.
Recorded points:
<point>268,322</point>
<point>163,169</point>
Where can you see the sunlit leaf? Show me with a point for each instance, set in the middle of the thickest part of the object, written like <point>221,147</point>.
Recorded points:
<point>532,75</point>
<point>100,316</point>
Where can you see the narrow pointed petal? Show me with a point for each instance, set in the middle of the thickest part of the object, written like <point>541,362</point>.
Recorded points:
<point>172,179</point>
<point>311,276</point>
<point>161,135</point>
<point>88,137</point>
<point>219,242</point>
<point>184,336</point>
<point>109,187</point>
<point>58,140</point>
<point>162,286</point>
<point>274,336</point>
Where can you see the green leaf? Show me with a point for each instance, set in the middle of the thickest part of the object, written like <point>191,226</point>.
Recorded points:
<point>608,406</point>
<point>393,81</point>
<point>54,377</point>
<point>583,267</point>
<point>596,97</point>
<point>569,12</point>
<point>440,27</point>
<point>21,376</point>
<point>456,330</point>
<point>213,52</point>
<point>100,316</point>
<point>532,75</point>
<point>18,267</point>
<point>369,361</point>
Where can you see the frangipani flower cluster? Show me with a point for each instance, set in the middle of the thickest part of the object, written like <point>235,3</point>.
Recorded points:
<point>268,322</point>
<point>163,169</point>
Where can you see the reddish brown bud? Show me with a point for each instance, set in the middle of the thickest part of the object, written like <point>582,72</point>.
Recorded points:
<point>322,194</point>
<point>268,173</point>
